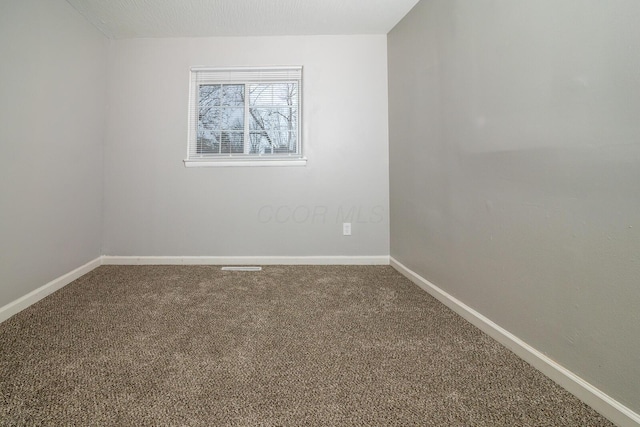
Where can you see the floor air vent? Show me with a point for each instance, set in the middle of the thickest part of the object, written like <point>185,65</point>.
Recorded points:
<point>232,268</point>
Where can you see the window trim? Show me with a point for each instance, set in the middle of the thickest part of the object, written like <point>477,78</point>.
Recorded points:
<point>253,75</point>
<point>252,162</point>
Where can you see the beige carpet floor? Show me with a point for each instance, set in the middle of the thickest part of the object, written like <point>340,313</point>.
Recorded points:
<point>287,346</point>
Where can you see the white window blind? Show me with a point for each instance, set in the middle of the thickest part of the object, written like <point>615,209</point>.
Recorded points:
<point>244,115</point>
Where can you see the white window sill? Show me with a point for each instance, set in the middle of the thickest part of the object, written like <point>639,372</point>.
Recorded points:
<point>243,163</point>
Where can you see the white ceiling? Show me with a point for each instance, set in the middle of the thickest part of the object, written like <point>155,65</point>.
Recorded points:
<point>203,18</point>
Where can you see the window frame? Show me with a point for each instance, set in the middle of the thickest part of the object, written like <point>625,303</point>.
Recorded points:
<point>242,76</point>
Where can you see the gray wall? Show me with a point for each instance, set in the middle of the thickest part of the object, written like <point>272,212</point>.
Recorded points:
<point>515,171</point>
<point>154,206</point>
<point>52,97</point>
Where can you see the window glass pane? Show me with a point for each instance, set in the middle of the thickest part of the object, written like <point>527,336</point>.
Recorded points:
<point>221,118</point>
<point>232,96</point>
<point>282,119</point>
<point>206,136</point>
<point>221,143</point>
<point>209,95</point>
<point>232,119</point>
<point>273,94</point>
<point>232,142</point>
<point>209,118</point>
<point>272,142</point>
<point>221,95</point>
<point>208,144</point>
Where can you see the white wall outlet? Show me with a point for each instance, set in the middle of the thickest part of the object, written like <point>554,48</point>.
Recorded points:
<point>346,229</point>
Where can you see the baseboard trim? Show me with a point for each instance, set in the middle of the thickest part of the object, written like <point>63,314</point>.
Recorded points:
<point>589,394</point>
<point>36,295</point>
<point>246,260</point>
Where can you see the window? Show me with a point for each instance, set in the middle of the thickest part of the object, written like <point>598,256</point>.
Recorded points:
<point>245,116</point>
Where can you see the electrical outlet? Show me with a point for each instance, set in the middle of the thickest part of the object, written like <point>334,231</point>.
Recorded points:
<point>346,229</point>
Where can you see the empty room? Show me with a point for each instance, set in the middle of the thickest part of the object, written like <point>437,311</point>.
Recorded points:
<point>285,212</point>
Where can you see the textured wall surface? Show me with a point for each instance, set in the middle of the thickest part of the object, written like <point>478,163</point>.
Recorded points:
<point>155,206</point>
<point>52,97</point>
<point>515,171</point>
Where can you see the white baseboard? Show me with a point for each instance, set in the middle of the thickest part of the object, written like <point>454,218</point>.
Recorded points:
<point>34,296</point>
<point>246,260</point>
<point>592,396</point>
